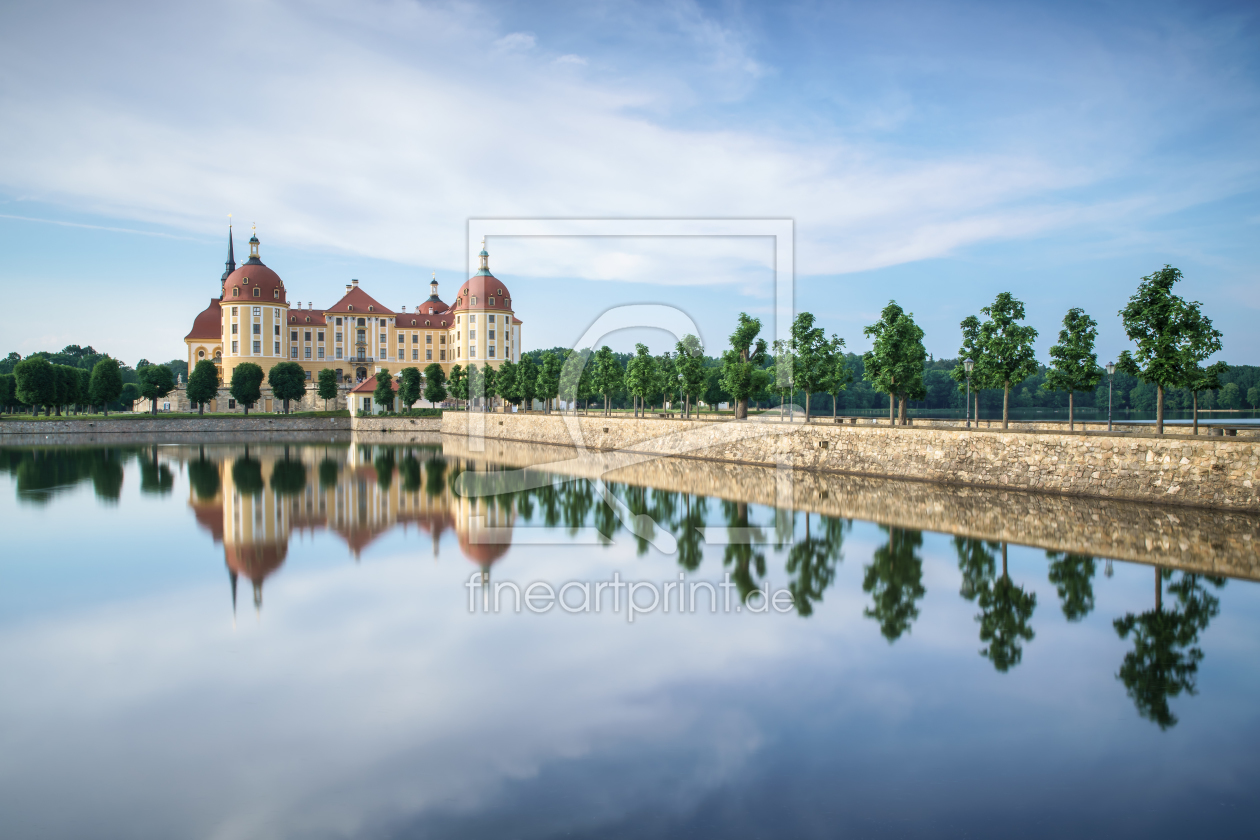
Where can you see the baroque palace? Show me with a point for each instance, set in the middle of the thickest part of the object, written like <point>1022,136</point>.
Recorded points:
<point>252,320</point>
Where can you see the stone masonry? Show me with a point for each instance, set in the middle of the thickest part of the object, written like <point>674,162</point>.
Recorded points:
<point>1218,472</point>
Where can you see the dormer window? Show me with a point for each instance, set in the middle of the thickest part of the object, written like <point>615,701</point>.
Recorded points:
<point>371,309</point>
<point>308,319</point>
<point>245,280</point>
<point>275,293</point>
<point>474,300</point>
<point>351,308</point>
<point>500,292</point>
<point>236,292</point>
<point>426,323</point>
<point>492,301</point>
<point>257,292</point>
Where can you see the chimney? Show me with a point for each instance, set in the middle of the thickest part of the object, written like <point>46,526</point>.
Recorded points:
<point>404,309</point>
<point>310,304</point>
<point>347,287</point>
<point>354,282</point>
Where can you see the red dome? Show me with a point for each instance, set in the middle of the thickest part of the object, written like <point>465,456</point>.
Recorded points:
<point>250,277</point>
<point>482,286</point>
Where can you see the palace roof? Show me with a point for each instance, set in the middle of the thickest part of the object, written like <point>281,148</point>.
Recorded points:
<point>360,303</point>
<point>208,326</point>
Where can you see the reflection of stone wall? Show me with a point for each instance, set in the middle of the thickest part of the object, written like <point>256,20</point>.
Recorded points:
<point>1194,539</point>
<point>1179,469</point>
<point>395,425</point>
<point>135,423</point>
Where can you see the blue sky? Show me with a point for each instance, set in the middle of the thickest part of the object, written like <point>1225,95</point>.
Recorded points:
<point>932,153</point>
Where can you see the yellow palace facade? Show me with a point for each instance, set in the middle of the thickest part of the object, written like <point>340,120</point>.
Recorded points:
<point>253,320</point>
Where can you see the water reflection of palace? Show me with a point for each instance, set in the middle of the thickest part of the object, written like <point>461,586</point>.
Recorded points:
<point>254,503</point>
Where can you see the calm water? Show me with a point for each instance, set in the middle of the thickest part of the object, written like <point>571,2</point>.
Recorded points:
<point>276,641</point>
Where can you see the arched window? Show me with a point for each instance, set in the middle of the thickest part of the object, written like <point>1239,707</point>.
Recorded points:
<point>371,309</point>
<point>351,308</point>
<point>275,293</point>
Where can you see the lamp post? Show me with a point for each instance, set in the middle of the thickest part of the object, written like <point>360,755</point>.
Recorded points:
<point>968,364</point>
<point>1111,371</point>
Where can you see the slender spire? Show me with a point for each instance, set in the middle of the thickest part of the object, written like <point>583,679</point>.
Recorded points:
<point>433,287</point>
<point>230,265</point>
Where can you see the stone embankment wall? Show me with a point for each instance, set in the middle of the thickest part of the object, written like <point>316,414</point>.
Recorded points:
<point>1193,539</point>
<point>1178,469</point>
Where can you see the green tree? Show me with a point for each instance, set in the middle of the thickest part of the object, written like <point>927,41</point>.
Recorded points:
<point>1163,326</point>
<point>689,363</point>
<point>1005,348</point>
<point>326,386</point>
<point>435,384</point>
<point>526,382</point>
<point>1201,341</point>
<point>1073,578</point>
<point>85,386</point>
<point>383,395</point>
<point>608,375</point>
<point>67,386</point>
<point>548,380</point>
<point>288,382</point>
<point>458,383</point>
<point>747,354</point>
<point>837,374</point>
<point>130,393</point>
<point>490,385</point>
<point>640,376</point>
<point>246,385</point>
<point>156,381</point>
<point>505,383</point>
<point>106,384</point>
<point>895,580</point>
<point>8,391</point>
<point>1229,397</point>
<point>36,383</point>
<point>812,356</point>
<point>203,384</point>
<point>1073,362</point>
<point>409,387</point>
<point>894,364</point>
<point>473,383</point>
<point>1253,396</point>
<point>1165,657</point>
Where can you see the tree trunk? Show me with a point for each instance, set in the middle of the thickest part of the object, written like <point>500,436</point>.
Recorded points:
<point>1006,404</point>
<point>741,409</point>
<point>1195,395</point>
<point>1004,560</point>
<point>246,407</point>
<point>58,412</point>
<point>1159,411</point>
<point>1159,590</point>
<point>833,408</point>
<point>892,408</point>
<point>1071,417</point>
<point>807,406</point>
<point>201,409</point>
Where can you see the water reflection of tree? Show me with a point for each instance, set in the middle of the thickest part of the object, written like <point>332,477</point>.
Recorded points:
<point>155,477</point>
<point>812,561</point>
<point>747,564</point>
<point>247,475</point>
<point>1073,578</point>
<point>1005,609</point>
<point>328,472</point>
<point>203,475</point>
<point>895,580</point>
<point>690,542</point>
<point>1165,660</point>
<point>288,478</point>
<point>40,474</point>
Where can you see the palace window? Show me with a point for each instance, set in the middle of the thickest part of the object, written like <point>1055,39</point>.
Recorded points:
<point>472,319</point>
<point>258,310</point>
<point>307,336</point>
<point>428,355</point>
<point>363,322</point>
<point>233,310</point>
<point>371,309</point>
<point>276,329</point>
<point>257,292</point>
<point>234,326</point>
<point>382,338</point>
<point>457,317</point>
<point>293,335</point>
<point>236,292</point>
<point>320,335</point>
<point>459,352</point>
<point>441,355</point>
<point>474,300</point>
<point>275,293</point>
<point>338,336</point>
<point>257,329</point>
<point>292,352</point>
<point>401,354</point>
<point>338,352</point>
<point>320,353</point>
<point>472,351</point>
<point>236,346</point>
<point>442,339</point>
<point>491,317</point>
<point>277,348</point>
<point>201,354</point>
<point>415,354</point>
<point>427,323</point>
<point>491,350</point>
<point>492,301</point>
<point>257,348</point>
<point>308,376</point>
<point>415,338</point>
<point>339,324</point>
<point>472,335</point>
